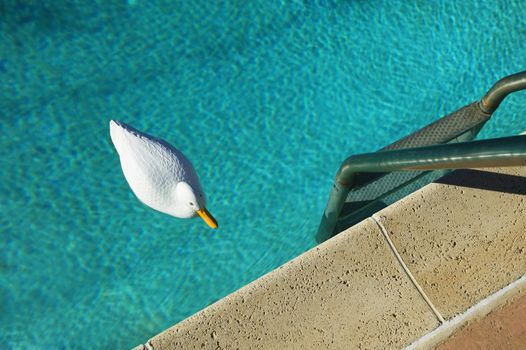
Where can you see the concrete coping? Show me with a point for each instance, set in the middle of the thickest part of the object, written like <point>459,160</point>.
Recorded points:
<point>408,276</point>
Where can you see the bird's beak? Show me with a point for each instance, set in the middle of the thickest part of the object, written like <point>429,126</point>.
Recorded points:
<point>207,217</point>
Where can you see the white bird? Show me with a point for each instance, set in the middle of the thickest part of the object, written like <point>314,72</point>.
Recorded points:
<point>159,174</point>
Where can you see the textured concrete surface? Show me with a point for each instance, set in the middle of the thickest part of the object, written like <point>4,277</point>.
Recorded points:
<point>475,313</point>
<point>503,329</point>
<point>348,293</point>
<point>463,237</point>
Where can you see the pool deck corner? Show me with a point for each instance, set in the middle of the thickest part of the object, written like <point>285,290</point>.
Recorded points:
<point>410,276</point>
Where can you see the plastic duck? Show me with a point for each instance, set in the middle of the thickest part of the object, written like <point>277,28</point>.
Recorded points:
<point>159,174</point>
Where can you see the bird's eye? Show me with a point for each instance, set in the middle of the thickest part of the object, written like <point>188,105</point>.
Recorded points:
<point>191,204</point>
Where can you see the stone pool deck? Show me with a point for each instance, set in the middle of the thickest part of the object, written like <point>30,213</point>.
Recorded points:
<point>410,276</point>
<point>503,329</point>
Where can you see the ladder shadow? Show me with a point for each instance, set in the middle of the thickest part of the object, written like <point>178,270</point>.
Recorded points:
<point>486,180</point>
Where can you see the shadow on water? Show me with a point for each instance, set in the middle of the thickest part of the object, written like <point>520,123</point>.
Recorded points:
<point>47,17</point>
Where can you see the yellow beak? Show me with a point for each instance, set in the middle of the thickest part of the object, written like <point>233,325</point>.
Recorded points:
<point>207,217</point>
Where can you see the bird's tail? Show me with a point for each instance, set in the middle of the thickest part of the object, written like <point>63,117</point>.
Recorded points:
<point>117,134</point>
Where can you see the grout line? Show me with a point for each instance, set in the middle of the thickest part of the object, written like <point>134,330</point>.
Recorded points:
<point>406,269</point>
<point>479,310</point>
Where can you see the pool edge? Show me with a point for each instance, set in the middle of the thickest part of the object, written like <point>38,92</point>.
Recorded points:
<point>199,330</point>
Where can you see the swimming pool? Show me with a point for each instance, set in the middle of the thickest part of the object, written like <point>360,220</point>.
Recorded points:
<point>265,98</point>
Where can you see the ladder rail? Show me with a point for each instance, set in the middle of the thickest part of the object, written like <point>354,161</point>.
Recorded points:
<point>502,88</point>
<point>408,154</point>
<point>507,151</point>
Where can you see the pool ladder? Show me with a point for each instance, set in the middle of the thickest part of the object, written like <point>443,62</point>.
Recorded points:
<point>364,180</point>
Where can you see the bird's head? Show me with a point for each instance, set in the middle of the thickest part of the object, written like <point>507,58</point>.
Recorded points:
<point>191,202</point>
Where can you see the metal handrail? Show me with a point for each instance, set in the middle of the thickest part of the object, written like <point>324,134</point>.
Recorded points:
<point>501,89</point>
<point>507,151</point>
<point>497,152</point>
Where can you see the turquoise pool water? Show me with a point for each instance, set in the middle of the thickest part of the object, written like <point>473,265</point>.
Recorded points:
<point>266,98</point>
